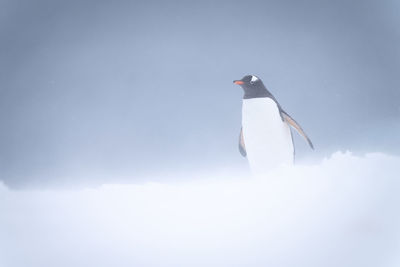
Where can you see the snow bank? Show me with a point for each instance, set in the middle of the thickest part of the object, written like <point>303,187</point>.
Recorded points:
<point>342,212</point>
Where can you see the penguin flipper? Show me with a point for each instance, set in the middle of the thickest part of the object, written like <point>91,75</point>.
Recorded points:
<point>242,147</point>
<point>297,127</point>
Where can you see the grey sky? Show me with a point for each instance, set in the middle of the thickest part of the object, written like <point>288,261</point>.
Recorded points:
<point>101,89</point>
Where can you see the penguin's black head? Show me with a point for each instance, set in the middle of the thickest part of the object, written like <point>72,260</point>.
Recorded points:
<point>253,87</point>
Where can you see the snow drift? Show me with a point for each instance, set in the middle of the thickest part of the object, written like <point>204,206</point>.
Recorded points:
<point>341,212</point>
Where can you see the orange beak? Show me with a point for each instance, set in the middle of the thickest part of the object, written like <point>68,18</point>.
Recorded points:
<point>239,82</point>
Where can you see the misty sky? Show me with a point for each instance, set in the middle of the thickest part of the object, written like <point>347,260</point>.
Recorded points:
<point>100,89</point>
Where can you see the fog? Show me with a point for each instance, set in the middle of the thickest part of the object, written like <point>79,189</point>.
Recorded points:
<point>95,90</point>
<point>341,212</point>
<point>120,122</point>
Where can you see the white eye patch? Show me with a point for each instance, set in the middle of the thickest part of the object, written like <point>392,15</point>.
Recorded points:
<point>253,79</point>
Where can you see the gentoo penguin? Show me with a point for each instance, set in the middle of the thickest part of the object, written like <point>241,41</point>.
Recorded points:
<point>265,137</point>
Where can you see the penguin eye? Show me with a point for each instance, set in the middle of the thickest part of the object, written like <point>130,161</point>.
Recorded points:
<point>253,80</point>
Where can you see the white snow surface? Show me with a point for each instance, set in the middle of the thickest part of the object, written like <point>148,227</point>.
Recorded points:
<point>343,211</point>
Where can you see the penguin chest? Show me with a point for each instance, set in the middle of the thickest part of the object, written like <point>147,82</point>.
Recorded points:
<point>267,138</point>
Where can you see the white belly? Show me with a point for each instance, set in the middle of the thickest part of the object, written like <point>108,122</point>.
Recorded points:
<point>267,138</point>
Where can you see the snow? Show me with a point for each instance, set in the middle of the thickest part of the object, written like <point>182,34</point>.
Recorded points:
<point>341,212</point>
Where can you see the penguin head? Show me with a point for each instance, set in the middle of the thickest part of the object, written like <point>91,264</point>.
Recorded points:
<point>253,87</point>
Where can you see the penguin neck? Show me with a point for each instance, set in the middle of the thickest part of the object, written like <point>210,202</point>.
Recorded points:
<point>257,94</point>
